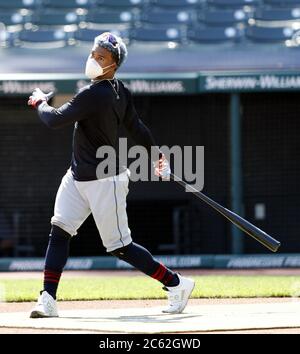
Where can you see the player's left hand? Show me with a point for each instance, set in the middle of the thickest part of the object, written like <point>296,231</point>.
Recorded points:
<point>36,97</point>
<point>162,168</point>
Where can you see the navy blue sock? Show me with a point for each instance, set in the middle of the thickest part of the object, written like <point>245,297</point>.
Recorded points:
<point>56,258</point>
<point>141,259</point>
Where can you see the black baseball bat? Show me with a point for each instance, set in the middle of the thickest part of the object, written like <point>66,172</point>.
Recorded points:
<point>237,220</point>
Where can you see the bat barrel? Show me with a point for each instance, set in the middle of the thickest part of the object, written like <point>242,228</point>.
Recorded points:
<point>237,220</point>
<point>253,231</point>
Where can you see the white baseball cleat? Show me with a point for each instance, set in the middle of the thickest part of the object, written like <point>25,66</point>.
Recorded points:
<point>178,295</point>
<point>45,307</point>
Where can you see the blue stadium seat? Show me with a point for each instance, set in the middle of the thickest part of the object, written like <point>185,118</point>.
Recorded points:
<point>4,38</point>
<point>86,36</point>
<point>223,17</point>
<point>18,4</point>
<point>58,4</point>
<point>277,14</point>
<point>98,18</point>
<point>269,34</point>
<point>233,3</point>
<point>284,3</point>
<point>157,34</point>
<point>176,3</point>
<point>12,19</point>
<point>120,3</point>
<point>157,15</point>
<point>42,39</point>
<point>214,34</point>
<point>47,18</point>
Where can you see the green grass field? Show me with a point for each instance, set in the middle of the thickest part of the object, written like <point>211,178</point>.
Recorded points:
<point>141,287</point>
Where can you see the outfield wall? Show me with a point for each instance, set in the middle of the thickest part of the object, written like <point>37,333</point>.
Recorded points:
<point>180,262</point>
<point>159,83</point>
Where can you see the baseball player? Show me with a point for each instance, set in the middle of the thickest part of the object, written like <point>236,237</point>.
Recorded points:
<point>96,112</point>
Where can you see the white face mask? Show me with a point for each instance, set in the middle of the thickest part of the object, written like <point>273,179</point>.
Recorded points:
<point>93,69</point>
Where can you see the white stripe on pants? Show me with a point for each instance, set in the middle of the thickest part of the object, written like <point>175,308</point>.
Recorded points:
<point>104,198</point>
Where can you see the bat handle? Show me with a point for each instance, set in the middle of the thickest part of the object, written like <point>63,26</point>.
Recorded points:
<point>49,95</point>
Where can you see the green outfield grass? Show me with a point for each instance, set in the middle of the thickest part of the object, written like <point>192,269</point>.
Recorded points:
<point>141,287</point>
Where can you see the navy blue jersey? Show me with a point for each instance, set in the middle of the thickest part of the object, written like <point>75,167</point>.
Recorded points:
<point>97,111</point>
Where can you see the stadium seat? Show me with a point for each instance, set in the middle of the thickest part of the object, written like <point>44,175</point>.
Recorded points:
<point>67,4</point>
<point>18,4</point>
<point>223,17</point>
<point>12,19</point>
<point>214,34</point>
<point>42,39</point>
<point>158,15</point>
<point>233,3</point>
<point>147,34</point>
<point>284,3</point>
<point>52,18</point>
<point>86,36</point>
<point>120,3</point>
<point>4,38</point>
<point>98,18</point>
<point>277,14</point>
<point>269,34</point>
<point>177,3</point>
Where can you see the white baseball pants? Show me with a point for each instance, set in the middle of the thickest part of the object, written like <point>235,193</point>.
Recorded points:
<point>104,198</point>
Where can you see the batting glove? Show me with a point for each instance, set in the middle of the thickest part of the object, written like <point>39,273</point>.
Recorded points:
<point>162,168</point>
<point>37,97</point>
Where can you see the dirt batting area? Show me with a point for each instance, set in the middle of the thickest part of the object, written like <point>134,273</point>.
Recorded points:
<point>146,304</point>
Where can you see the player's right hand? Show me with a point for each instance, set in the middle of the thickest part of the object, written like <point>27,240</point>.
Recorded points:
<point>162,168</point>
